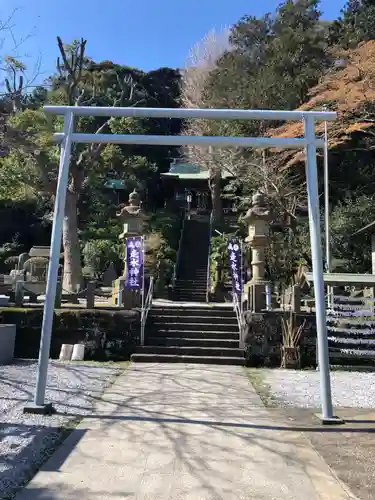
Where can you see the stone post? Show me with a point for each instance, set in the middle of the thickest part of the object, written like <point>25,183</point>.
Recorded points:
<point>19,293</point>
<point>258,218</point>
<point>58,297</point>
<point>90,295</point>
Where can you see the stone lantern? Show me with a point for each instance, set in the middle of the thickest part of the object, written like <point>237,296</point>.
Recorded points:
<point>258,218</point>
<point>132,217</point>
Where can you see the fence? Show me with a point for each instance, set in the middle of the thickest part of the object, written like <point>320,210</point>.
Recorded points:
<point>351,330</point>
<point>17,290</point>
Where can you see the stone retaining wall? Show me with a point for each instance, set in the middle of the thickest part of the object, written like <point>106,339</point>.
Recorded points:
<point>107,334</point>
<point>264,338</point>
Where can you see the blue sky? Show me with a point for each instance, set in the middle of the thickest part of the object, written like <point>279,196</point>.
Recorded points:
<point>144,33</point>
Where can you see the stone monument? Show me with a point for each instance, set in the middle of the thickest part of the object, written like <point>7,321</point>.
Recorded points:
<point>258,218</point>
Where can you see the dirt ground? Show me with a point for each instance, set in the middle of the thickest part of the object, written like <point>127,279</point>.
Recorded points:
<point>348,449</point>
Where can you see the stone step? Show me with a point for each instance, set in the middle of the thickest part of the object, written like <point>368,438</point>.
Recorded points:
<point>193,246</point>
<point>195,254</point>
<point>191,351</point>
<point>199,259</point>
<point>184,285</point>
<point>191,278</point>
<point>192,311</point>
<point>193,334</point>
<point>174,358</point>
<point>196,319</point>
<point>191,272</point>
<point>183,326</point>
<point>190,286</point>
<point>193,342</point>
<point>190,297</point>
<point>193,281</point>
<point>193,267</point>
<point>191,290</point>
<point>198,289</point>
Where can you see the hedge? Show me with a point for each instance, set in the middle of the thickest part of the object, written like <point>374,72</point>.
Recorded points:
<point>107,334</point>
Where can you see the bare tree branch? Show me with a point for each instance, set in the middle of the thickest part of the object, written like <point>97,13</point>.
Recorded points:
<point>17,79</point>
<point>71,71</point>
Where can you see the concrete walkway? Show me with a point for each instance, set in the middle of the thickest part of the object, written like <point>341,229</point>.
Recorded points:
<point>191,432</point>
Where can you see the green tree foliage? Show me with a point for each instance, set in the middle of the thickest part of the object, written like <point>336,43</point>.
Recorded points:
<point>356,24</point>
<point>98,254</point>
<point>287,47</point>
<point>271,63</point>
<point>352,251</point>
<point>29,169</point>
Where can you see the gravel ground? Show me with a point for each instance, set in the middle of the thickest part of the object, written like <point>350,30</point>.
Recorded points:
<point>27,440</point>
<point>301,389</point>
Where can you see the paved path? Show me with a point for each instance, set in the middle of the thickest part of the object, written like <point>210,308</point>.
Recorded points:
<point>192,432</point>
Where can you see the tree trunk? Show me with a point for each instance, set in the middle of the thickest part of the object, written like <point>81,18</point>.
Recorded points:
<point>72,256</point>
<point>214,183</point>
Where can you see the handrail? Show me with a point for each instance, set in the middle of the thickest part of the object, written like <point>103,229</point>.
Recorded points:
<point>208,276</point>
<point>146,306</point>
<point>237,306</point>
<point>177,263</point>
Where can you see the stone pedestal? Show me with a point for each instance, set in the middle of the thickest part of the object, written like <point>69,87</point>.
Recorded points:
<point>257,296</point>
<point>123,297</point>
<point>7,342</point>
<point>258,218</point>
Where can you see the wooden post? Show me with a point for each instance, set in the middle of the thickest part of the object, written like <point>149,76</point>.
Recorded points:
<point>90,295</point>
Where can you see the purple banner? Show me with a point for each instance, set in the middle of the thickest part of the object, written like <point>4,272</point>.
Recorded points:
<point>134,263</point>
<point>235,265</point>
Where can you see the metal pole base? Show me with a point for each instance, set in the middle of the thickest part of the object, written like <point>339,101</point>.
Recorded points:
<point>330,420</point>
<point>46,409</point>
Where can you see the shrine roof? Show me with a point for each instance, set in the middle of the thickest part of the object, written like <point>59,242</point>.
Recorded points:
<point>188,171</point>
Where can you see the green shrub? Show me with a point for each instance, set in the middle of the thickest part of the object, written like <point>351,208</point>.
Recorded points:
<point>98,254</point>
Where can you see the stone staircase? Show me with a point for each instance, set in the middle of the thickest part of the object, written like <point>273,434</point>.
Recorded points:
<point>191,279</point>
<point>191,333</point>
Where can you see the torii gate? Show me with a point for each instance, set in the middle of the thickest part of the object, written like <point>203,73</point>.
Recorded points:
<point>309,142</point>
